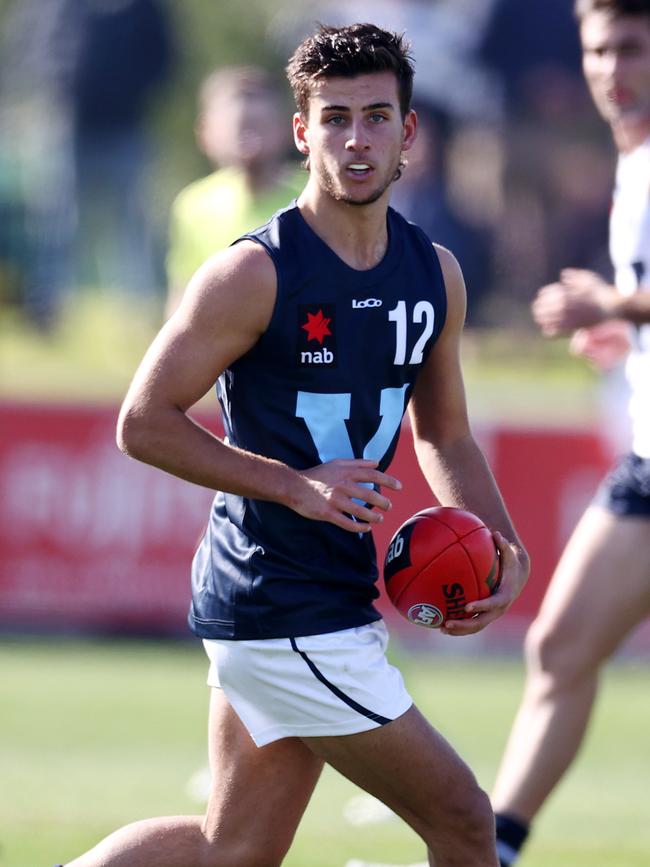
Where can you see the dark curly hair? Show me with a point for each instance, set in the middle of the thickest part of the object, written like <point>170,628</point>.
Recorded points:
<point>347,52</point>
<point>615,8</point>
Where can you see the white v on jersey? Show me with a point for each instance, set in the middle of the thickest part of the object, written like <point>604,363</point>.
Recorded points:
<point>629,246</point>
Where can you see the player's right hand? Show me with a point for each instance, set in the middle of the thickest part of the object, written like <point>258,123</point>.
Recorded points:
<point>579,300</point>
<point>344,492</point>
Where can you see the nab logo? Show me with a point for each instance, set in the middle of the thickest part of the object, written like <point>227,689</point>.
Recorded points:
<point>424,614</point>
<point>318,356</point>
<point>395,549</point>
<point>367,302</point>
<point>316,336</point>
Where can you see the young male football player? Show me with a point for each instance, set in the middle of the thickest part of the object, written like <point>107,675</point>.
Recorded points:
<point>320,328</point>
<point>601,587</point>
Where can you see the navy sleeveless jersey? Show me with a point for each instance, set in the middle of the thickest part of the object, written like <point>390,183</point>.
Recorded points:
<point>329,378</point>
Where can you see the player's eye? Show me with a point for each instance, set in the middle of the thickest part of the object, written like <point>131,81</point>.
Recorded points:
<point>376,117</point>
<point>336,120</point>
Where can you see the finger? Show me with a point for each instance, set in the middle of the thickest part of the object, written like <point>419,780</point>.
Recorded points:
<point>361,511</point>
<point>373,498</point>
<point>390,482</point>
<point>504,546</point>
<point>348,522</point>
<point>361,494</point>
<point>352,500</point>
<point>554,302</point>
<point>467,627</point>
<point>544,321</point>
<point>575,275</point>
<point>552,329</point>
<point>549,288</point>
<point>355,462</point>
<point>553,290</point>
<point>496,603</point>
<point>548,310</point>
<point>376,477</point>
<point>580,341</point>
<point>351,525</point>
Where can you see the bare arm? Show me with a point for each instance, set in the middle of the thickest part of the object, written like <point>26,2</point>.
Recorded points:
<point>450,459</point>
<point>225,309</point>
<point>581,299</point>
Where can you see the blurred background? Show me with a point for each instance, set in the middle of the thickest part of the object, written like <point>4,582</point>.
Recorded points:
<point>139,136</point>
<point>136,137</point>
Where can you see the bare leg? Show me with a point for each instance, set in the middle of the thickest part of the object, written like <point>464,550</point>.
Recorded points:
<point>412,769</point>
<point>599,592</point>
<point>271,783</point>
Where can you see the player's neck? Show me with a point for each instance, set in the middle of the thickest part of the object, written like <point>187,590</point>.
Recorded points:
<point>358,234</point>
<point>629,136</point>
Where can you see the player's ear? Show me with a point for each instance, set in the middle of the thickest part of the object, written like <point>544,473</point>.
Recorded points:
<point>301,133</point>
<point>409,130</point>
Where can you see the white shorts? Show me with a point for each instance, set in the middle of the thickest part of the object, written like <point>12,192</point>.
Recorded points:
<point>339,683</point>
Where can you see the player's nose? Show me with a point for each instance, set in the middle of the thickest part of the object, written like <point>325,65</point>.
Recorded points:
<point>359,139</point>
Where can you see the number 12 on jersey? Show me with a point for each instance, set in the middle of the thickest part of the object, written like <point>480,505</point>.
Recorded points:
<point>422,312</point>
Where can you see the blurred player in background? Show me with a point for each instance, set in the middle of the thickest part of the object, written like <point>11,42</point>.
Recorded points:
<point>241,129</point>
<point>601,588</point>
<point>320,327</point>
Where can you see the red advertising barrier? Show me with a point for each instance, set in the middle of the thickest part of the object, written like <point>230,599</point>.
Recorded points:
<point>92,540</point>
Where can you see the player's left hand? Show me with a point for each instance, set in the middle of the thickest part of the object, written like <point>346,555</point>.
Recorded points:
<point>515,567</point>
<point>579,300</point>
<point>604,345</point>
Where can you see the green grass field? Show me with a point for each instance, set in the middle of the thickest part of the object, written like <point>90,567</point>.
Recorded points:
<point>95,734</point>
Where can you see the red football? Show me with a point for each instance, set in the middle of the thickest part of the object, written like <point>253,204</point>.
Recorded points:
<point>437,562</point>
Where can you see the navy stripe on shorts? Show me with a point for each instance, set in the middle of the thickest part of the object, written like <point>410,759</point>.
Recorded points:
<point>375,717</point>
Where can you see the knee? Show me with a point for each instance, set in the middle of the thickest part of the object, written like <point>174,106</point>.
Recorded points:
<point>553,661</point>
<point>479,818</point>
<point>247,851</point>
<point>471,817</point>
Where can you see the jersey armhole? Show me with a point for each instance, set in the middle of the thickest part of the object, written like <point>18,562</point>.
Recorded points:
<point>442,318</point>
<point>279,290</point>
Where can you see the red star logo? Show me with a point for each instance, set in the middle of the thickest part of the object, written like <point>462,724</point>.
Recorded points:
<point>317,326</point>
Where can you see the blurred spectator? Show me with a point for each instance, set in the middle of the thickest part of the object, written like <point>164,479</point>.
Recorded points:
<point>243,131</point>
<point>533,47</point>
<point>78,77</point>
<point>423,195</point>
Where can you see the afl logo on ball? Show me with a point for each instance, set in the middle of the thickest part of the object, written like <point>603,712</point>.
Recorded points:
<point>425,614</point>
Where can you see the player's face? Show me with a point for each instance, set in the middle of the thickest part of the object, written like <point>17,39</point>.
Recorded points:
<point>354,136</point>
<point>616,63</point>
<point>244,129</point>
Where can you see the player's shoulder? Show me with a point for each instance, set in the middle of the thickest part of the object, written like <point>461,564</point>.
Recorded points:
<point>452,276</point>
<point>246,262</point>
<point>448,262</point>
<point>450,267</point>
<point>234,286</point>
